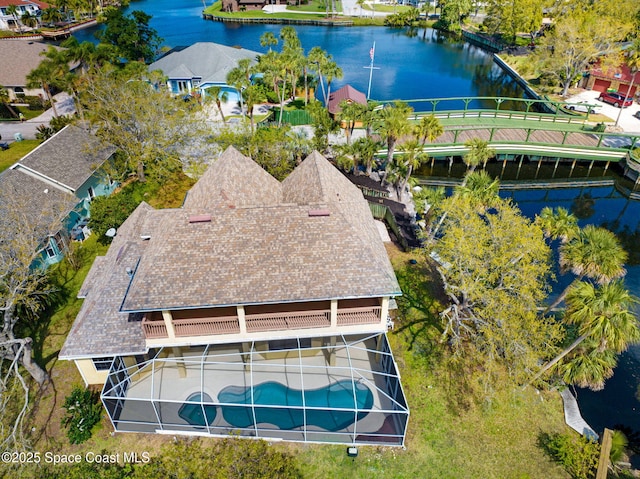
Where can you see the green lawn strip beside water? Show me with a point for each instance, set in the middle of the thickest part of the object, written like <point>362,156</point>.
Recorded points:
<point>314,6</point>
<point>216,9</point>
<point>16,151</point>
<point>500,441</point>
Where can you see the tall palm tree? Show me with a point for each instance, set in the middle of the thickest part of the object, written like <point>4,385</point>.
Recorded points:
<point>596,253</point>
<point>319,59</point>
<point>366,149</point>
<point>268,39</point>
<point>588,368</point>
<point>13,11</point>
<point>45,76</point>
<point>558,223</point>
<point>413,157</point>
<point>429,129</point>
<point>393,124</point>
<point>603,315</point>
<point>360,3</point>
<point>219,95</point>
<point>479,153</point>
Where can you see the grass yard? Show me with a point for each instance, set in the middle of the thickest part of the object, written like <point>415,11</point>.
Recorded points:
<point>316,6</point>
<point>17,150</point>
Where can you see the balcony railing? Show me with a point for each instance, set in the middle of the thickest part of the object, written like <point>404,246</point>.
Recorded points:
<point>156,329</point>
<point>296,320</point>
<point>353,316</point>
<point>206,326</point>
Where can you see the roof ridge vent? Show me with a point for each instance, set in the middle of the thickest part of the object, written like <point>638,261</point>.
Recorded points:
<point>319,212</point>
<point>200,219</point>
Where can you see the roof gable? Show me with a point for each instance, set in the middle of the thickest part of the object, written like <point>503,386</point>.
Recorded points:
<point>209,61</point>
<point>69,158</point>
<point>233,181</point>
<point>347,93</point>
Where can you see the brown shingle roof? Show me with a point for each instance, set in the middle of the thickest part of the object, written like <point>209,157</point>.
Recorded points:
<point>70,157</point>
<point>236,182</point>
<point>348,93</point>
<point>251,253</point>
<point>100,329</point>
<point>19,57</point>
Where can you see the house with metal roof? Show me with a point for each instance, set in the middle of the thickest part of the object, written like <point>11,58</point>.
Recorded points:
<point>68,165</point>
<point>201,66</point>
<point>259,308</point>
<point>347,94</point>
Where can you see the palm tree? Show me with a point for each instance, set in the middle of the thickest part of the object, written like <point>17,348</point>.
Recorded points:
<point>29,20</point>
<point>13,11</point>
<point>413,157</point>
<point>360,3</point>
<point>219,95</point>
<point>332,72</point>
<point>589,368</point>
<point>595,253</point>
<point>393,124</point>
<point>320,59</point>
<point>429,129</point>
<point>603,315</point>
<point>51,15</point>
<point>351,112</point>
<point>480,186</point>
<point>366,149</point>
<point>268,39</point>
<point>6,101</point>
<point>44,76</point>
<point>479,153</point>
<point>558,224</point>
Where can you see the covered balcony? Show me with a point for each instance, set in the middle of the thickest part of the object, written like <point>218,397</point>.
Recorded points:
<point>264,318</point>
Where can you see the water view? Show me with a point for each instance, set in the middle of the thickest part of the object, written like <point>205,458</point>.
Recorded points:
<point>410,67</point>
<point>425,65</point>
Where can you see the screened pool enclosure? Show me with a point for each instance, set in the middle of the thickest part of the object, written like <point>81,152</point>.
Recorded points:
<point>337,389</point>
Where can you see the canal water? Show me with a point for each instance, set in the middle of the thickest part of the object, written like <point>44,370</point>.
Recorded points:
<point>423,64</point>
<point>410,67</point>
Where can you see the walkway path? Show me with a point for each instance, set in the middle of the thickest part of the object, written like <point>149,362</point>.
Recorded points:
<point>572,415</point>
<point>29,128</point>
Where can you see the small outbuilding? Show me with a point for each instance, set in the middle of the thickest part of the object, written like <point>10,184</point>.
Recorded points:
<point>346,93</point>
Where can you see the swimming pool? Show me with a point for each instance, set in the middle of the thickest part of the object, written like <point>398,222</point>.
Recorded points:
<point>192,413</point>
<point>344,394</point>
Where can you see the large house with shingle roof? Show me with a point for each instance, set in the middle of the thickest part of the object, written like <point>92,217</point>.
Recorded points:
<point>201,66</point>
<point>19,58</point>
<point>68,166</point>
<point>8,21</point>
<point>259,308</point>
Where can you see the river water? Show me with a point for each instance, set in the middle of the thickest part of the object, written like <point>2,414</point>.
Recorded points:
<point>423,64</point>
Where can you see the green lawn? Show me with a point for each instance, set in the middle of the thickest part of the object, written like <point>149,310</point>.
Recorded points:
<point>16,150</point>
<point>315,6</point>
<point>216,9</point>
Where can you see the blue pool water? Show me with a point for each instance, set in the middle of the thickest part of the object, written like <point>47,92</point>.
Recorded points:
<point>192,413</point>
<point>337,395</point>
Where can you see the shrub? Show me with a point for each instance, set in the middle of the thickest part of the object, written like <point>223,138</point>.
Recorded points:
<point>83,412</point>
<point>577,454</point>
<point>111,211</point>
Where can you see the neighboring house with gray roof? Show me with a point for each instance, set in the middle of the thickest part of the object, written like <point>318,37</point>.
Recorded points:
<point>201,66</point>
<point>69,164</point>
<point>253,284</point>
<point>18,58</point>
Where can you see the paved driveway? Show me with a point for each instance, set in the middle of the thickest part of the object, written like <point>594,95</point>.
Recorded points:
<point>628,122</point>
<point>28,129</point>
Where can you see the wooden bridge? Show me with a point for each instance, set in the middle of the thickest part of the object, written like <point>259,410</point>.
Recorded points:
<point>522,131</point>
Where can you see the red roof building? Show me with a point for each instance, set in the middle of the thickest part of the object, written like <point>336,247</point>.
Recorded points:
<point>618,78</point>
<point>346,93</point>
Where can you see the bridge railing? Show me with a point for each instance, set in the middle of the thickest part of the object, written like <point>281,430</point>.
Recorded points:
<point>502,114</point>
